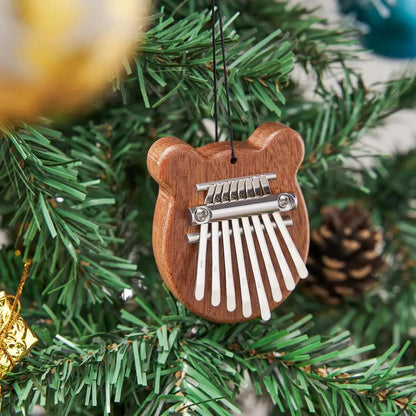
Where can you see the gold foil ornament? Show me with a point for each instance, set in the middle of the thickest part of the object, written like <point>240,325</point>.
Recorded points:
<point>56,56</point>
<point>16,338</point>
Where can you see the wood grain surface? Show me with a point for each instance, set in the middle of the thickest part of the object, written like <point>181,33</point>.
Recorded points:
<point>177,168</point>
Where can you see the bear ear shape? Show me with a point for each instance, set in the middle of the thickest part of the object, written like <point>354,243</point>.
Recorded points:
<point>280,142</point>
<point>167,156</point>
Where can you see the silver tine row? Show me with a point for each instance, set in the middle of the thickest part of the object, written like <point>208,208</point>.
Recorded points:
<point>205,186</point>
<point>193,238</point>
<point>220,195</point>
<point>244,207</point>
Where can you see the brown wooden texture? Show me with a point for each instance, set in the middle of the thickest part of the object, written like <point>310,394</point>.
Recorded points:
<point>177,168</point>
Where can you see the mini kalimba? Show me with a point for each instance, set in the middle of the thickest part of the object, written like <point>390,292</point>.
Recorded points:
<point>230,240</point>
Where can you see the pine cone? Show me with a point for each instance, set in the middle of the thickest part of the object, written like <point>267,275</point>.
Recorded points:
<point>344,256</point>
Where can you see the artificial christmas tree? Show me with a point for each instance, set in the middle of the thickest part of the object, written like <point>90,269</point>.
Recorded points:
<point>77,199</point>
<point>51,52</point>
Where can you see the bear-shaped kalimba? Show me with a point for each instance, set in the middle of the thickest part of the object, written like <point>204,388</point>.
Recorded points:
<point>230,239</point>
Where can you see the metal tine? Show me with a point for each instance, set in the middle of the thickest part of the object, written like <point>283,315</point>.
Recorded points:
<point>293,251</point>
<point>238,191</point>
<point>225,195</point>
<point>249,188</point>
<point>241,190</point>
<point>210,195</point>
<point>281,260</point>
<point>218,193</point>
<point>215,251</point>
<point>201,266</point>
<point>228,261</point>
<point>245,292</point>
<point>257,186</point>
<point>261,292</point>
<point>265,185</point>
<point>234,191</point>
<point>202,252</point>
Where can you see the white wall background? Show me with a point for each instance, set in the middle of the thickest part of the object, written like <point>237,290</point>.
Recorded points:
<point>399,131</point>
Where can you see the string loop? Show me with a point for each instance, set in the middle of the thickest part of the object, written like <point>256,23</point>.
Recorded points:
<point>225,73</point>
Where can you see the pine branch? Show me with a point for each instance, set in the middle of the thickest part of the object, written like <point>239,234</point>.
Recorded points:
<point>177,58</point>
<point>175,364</point>
<point>59,217</point>
<point>317,45</point>
<point>157,358</point>
<point>332,129</point>
<point>387,313</point>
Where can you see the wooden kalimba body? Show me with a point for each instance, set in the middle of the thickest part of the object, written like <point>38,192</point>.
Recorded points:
<point>230,240</point>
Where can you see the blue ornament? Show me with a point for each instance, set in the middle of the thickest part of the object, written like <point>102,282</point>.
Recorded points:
<point>391,24</point>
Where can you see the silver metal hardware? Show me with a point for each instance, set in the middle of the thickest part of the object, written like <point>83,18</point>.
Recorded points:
<point>261,293</point>
<point>294,253</point>
<point>202,256</point>
<point>245,293</point>
<point>193,238</point>
<point>202,215</point>
<point>228,261</point>
<point>281,260</point>
<point>251,205</point>
<point>205,186</point>
<point>215,250</point>
<point>243,212</point>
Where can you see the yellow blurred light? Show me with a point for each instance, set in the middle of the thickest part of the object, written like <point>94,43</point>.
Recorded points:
<point>57,56</point>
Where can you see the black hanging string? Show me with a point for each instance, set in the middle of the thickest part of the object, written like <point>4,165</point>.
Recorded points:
<point>227,89</point>
<point>214,65</point>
